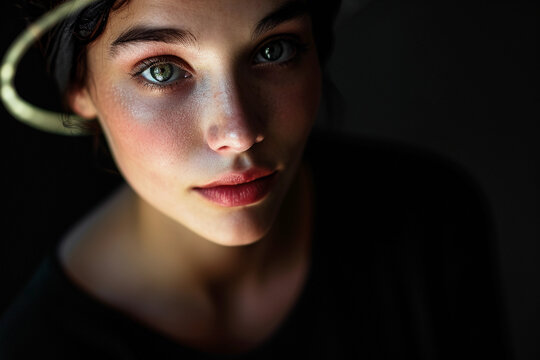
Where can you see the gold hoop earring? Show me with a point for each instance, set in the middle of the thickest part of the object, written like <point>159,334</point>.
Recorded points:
<point>23,111</point>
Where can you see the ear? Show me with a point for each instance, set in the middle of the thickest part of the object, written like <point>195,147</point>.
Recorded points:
<point>81,103</point>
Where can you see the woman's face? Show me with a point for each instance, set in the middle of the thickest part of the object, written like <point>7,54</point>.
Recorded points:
<point>206,106</point>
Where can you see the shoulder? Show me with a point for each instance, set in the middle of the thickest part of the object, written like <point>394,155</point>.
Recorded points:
<point>53,315</point>
<point>398,199</point>
<point>54,318</point>
<point>40,320</point>
<point>416,230</point>
<point>95,253</point>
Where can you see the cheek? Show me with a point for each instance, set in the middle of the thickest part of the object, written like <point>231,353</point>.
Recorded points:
<point>297,102</point>
<point>157,135</point>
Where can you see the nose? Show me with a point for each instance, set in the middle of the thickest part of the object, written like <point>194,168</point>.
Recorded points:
<point>232,127</point>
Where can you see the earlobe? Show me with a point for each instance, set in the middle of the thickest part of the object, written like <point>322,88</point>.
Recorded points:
<point>82,104</point>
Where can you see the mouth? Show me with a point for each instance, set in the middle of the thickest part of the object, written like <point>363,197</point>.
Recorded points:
<point>239,189</point>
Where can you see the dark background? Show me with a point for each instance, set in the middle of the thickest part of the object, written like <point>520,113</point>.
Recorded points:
<point>458,78</point>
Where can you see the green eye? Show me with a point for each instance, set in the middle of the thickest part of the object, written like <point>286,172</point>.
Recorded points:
<point>273,51</point>
<point>276,52</point>
<point>164,73</point>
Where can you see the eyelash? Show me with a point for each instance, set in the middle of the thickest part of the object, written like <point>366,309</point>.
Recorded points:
<point>299,48</point>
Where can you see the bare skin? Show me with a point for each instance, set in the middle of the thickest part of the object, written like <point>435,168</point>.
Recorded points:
<point>228,306</point>
<point>215,278</point>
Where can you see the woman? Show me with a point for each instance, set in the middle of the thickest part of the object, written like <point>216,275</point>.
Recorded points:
<point>228,238</point>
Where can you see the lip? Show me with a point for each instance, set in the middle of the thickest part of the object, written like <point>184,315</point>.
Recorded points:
<point>238,188</point>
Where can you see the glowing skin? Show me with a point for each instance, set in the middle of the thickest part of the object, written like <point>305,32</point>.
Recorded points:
<point>227,110</point>
<point>201,266</point>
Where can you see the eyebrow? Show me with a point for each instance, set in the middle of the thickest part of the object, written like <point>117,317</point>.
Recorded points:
<point>142,33</point>
<point>288,11</point>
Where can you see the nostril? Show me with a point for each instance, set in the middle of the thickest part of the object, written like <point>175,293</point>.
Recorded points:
<point>222,149</point>
<point>231,141</point>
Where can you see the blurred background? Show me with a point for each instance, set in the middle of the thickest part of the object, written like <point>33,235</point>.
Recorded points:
<point>456,78</point>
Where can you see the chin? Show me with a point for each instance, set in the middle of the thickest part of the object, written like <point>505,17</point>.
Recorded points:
<point>240,229</point>
<point>236,241</point>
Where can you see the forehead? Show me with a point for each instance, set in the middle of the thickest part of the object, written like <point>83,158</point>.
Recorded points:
<point>198,15</point>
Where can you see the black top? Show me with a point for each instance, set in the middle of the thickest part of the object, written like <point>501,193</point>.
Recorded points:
<point>403,266</point>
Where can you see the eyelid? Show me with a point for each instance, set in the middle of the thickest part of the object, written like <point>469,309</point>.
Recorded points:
<point>282,36</point>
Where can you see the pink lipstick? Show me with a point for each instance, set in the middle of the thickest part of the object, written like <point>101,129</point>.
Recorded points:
<point>238,188</point>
